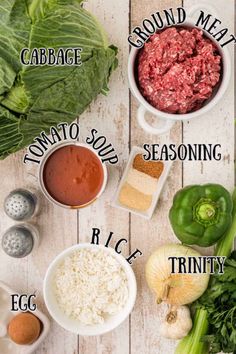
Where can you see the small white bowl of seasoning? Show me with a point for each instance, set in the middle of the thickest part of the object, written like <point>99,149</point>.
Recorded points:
<point>141,184</point>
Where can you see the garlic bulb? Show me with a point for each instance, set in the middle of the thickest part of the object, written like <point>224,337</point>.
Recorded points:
<point>178,288</point>
<point>177,323</point>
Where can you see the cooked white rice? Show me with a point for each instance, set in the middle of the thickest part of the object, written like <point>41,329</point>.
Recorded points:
<point>91,284</point>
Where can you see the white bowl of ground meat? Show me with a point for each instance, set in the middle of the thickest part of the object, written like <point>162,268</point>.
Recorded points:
<point>179,74</point>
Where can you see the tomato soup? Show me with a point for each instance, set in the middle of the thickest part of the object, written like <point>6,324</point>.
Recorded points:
<point>73,175</point>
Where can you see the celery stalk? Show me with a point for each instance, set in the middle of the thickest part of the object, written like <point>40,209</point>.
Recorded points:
<point>192,343</point>
<point>224,246</point>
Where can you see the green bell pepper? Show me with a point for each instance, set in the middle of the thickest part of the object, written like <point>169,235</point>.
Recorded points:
<point>200,215</point>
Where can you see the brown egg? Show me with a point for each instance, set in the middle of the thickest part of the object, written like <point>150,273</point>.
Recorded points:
<point>24,328</point>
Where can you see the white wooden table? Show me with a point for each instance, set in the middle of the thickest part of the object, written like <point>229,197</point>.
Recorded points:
<point>115,117</point>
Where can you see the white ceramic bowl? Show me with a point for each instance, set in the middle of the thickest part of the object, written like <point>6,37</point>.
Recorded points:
<point>41,180</point>
<point>168,119</point>
<point>75,326</point>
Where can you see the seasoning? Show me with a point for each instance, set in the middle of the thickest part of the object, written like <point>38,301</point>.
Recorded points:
<point>152,168</point>
<point>24,328</point>
<point>141,181</point>
<point>73,175</point>
<point>141,184</point>
<point>133,198</point>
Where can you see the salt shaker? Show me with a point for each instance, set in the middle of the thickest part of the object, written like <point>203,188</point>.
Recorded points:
<point>21,204</point>
<point>20,240</point>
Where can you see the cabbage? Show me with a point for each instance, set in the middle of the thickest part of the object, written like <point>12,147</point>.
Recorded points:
<point>33,98</point>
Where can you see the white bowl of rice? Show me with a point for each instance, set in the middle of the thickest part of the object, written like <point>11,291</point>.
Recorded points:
<point>89,289</point>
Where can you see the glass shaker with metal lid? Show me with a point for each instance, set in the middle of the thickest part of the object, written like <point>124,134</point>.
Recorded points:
<point>21,204</point>
<point>20,240</point>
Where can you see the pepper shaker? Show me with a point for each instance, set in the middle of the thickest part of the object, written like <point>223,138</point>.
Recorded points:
<point>20,240</point>
<point>21,204</point>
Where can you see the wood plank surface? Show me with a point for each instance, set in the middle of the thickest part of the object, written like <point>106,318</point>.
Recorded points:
<point>110,116</point>
<point>115,117</point>
<point>57,230</point>
<point>148,235</point>
<point>217,125</point>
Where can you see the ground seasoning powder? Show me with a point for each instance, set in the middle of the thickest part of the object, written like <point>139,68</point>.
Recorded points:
<point>141,184</point>
<point>151,168</point>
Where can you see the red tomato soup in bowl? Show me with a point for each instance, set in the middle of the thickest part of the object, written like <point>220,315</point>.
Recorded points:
<point>72,176</point>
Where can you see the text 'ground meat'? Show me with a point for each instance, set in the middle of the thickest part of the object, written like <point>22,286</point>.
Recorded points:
<point>178,69</point>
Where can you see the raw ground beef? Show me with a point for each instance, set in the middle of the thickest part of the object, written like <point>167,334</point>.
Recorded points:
<point>178,69</point>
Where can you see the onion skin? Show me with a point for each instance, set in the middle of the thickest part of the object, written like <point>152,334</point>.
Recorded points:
<point>174,289</point>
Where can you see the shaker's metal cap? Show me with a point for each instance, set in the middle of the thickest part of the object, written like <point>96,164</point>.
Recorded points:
<point>20,204</point>
<point>18,241</point>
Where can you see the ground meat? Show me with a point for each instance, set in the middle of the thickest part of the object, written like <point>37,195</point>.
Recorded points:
<point>178,69</point>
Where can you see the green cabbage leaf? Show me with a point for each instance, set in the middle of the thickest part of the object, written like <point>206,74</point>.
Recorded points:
<point>33,98</point>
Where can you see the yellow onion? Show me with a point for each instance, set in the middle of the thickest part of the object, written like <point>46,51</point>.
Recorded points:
<point>174,289</point>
